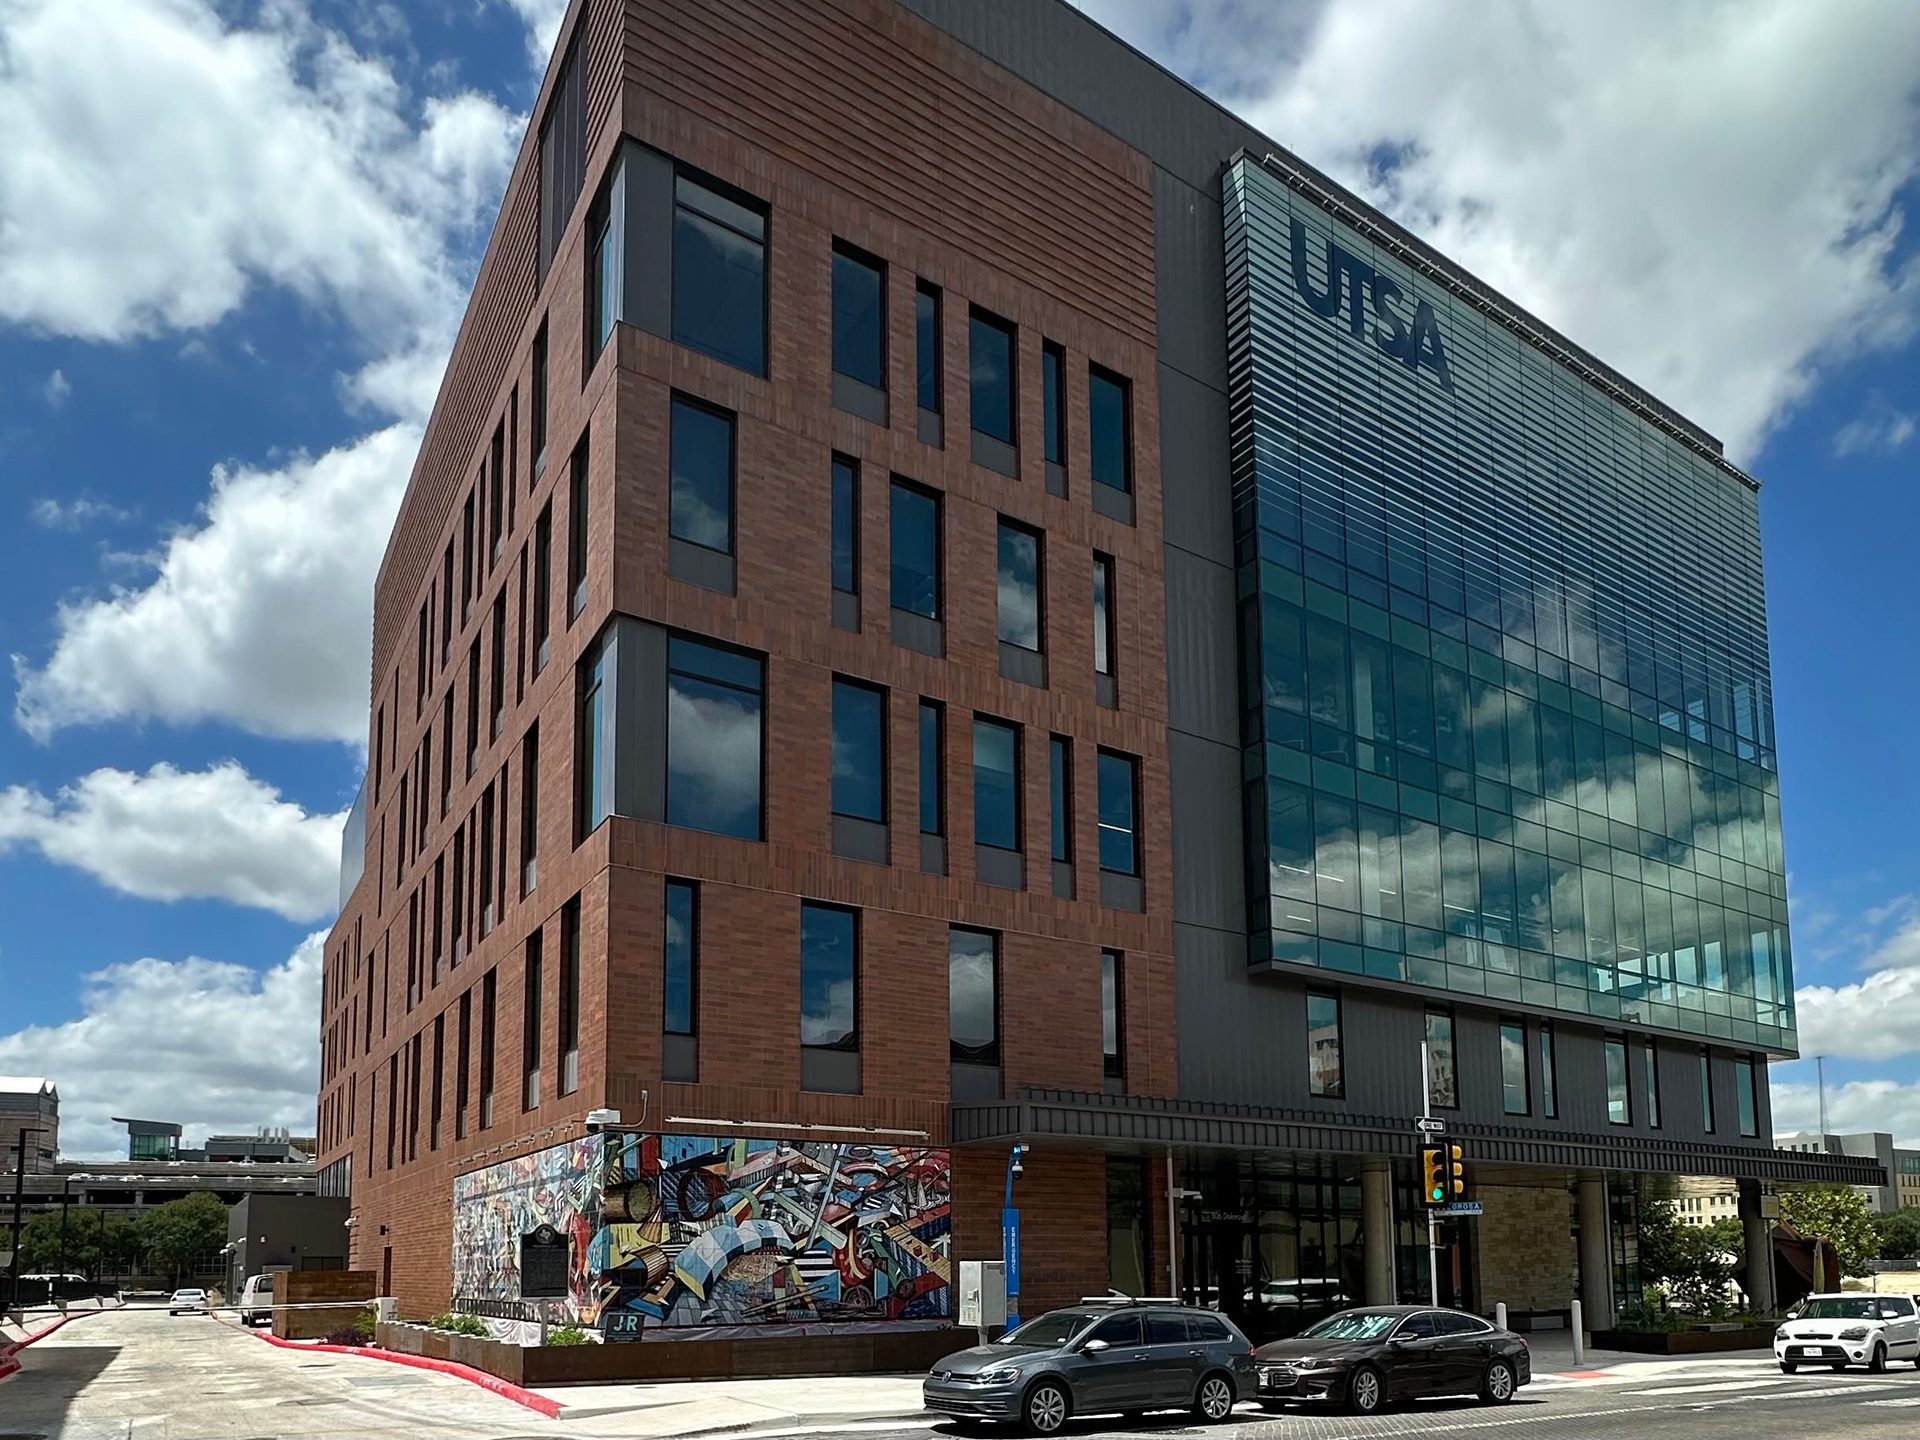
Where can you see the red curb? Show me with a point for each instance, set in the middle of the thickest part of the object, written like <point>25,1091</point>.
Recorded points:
<point>8,1364</point>
<point>506,1389</point>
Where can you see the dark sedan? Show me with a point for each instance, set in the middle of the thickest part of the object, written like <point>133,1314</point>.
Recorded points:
<point>1364,1358</point>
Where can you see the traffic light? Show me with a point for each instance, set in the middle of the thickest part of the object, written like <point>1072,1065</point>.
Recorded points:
<point>1433,1174</point>
<point>1456,1173</point>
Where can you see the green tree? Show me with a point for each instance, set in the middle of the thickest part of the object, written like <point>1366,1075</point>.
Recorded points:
<point>1689,1261</point>
<point>93,1247</point>
<point>1837,1214</point>
<point>1727,1235</point>
<point>183,1233</point>
<point>1899,1234</point>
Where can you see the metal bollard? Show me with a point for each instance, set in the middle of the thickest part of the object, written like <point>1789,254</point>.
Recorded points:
<point>1500,1314</point>
<point>1579,1338</point>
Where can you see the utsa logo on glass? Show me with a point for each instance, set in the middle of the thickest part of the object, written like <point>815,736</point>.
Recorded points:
<point>1350,280</point>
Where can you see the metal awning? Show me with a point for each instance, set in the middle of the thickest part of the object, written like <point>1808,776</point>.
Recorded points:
<point>1128,1121</point>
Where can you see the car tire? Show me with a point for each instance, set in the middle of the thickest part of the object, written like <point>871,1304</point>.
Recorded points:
<point>1787,1367</point>
<point>1877,1361</point>
<point>1213,1399</point>
<point>1497,1385</point>
<point>1045,1408</point>
<point>1366,1391</point>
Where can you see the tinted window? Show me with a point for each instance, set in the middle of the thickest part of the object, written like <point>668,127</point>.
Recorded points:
<point>1619,1110</point>
<point>680,944</point>
<point>700,508</point>
<point>1352,1325</point>
<point>1112,992</point>
<point>1118,1330</point>
<point>1743,1092</point>
<point>1513,1066</point>
<point>1107,430</point>
<point>990,366</point>
<point>1119,781</point>
<point>930,787</point>
<point>914,551</point>
<point>713,739</point>
<point>1454,1323</point>
<point>1416,1325</point>
<point>1325,1076</point>
<point>719,276</point>
<point>1049,1329</point>
<point>1019,586</point>
<point>846,526</point>
<point>859,769</point>
<point>1207,1327</point>
<point>1165,1328</point>
<point>926,330</point>
<point>859,346</point>
<point>996,784</point>
<point>593,798</point>
<point>1053,395</point>
<point>1060,787</point>
<point>1442,1087</point>
<point>827,1000</point>
<point>1102,615</point>
<point>973,1011</point>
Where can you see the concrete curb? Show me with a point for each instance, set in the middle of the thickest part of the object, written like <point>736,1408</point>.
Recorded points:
<point>540,1404</point>
<point>8,1364</point>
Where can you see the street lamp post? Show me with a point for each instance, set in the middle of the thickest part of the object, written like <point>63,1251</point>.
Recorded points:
<point>66,1198</point>
<point>19,1192</point>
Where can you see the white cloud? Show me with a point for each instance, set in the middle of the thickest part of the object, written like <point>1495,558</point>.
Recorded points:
<point>1881,430</point>
<point>215,1046</point>
<point>542,19</point>
<point>57,389</point>
<point>77,513</point>
<point>1877,1017</point>
<point>172,835</point>
<point>1703,195</point>
<point>1858,1105</point>
<point>259,615</point>
<point>187,161</point>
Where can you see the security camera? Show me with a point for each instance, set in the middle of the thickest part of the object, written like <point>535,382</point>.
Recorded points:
<point>598,1120</point>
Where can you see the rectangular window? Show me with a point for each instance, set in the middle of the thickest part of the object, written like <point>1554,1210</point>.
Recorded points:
<point>473,704</point>
<point>932,773</point>
<point>681,961</point>
<point>446,753</point>
<point>990,347</point>
<point>537,400</point>
<point>462,1060</point>
<point>542,586</point>
<point>1110,425</point>
<point>1745,1097</point>
<point>488,1014</point>
<point>420,663</point>
<point>497,480</point>
<point>1019,586</point>
<point>563,149</point>
<point>1053,402</point>
<point>996,784</point>
<point>569,1031</point>
<point>926,347</point>
<point>466,558</point>
<point>530,1026</point>
<point>577,516</point>
<point>1619,1105</point>
<point>859,317</point>
<point>1060,786</point>
<point>829,966</point>
<point>439,1081</point>
<point>497,670</point>
<point>1119,804</point>
<point>446,604</point>
<point>1104,647</point>
<point>591,804</point>
<point>720,274</point>
<point>846,526</point>
<point>1706,1092</point>
<point>1549,1077</point>
<point>1112,1031</point>
<point>859,751</point>
<point>483,855</point>
<point>700,502</point>
<point>715,742</point>
<point>1653,1085</point>
<point>1326,1077</point>
<point>913,559</point>
<point>973,997</point>
<point>1515,1092</point>
<point>530,809</point>
<point>1443,1086</point>
<point>603,274</point>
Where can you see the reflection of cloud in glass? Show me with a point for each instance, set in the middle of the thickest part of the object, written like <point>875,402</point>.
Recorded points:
<point>698,519</point>
<point>970,985</point>
<point>713,758</point>
<point>826,1013</point>
<point>1019,589</point>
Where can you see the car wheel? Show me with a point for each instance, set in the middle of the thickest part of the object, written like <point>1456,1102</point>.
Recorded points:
<point>1787,1367</point>
<point>1365,1390</point>
<point>1496,1387</point>
<point>1877,1362</point>
<point>1213,1401</point>
<point>1046,1408</point>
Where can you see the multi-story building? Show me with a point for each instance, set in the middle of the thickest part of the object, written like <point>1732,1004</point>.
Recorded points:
<point>29,1106</point>
<point>1901,1186</point>
<point>956,595</point>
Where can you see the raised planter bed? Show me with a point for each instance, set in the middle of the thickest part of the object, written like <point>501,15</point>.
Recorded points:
<point>1685,1342</point>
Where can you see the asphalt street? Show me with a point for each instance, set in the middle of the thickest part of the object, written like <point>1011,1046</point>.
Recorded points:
<point>140,1375</point>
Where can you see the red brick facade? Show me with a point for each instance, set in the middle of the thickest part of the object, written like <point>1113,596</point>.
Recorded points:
<point>850,119</point>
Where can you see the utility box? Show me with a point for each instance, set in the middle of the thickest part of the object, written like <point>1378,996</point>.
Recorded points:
<point>983,1294</point>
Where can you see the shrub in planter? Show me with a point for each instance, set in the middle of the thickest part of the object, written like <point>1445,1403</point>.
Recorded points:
<point>363,1326</point>
<point>460,1325</point>
<point>568,1335</point>
<point>347,1336</point>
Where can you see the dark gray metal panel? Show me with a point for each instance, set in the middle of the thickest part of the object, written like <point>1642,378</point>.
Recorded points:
<point>916,632</point>
<point>1005,868</point>
<point>1028,667</point>
<point>861,840</point>
<point>996,455</point>
<point>834,1072</point>
<point>1209,859</point>
<point>638,754</point>
<point>1196,479</point>
<point>1190,276</point>
<point>1203,680</point>
<point>1210,993</point>
<point>680,1058</point>
<point>856,398</point>
<point>1112,503</point>
<point>697,565</point>
<point>649,234</point>
<point>1122,892</point>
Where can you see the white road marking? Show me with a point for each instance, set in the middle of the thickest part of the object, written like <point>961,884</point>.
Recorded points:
<point>1710,1387</point>
<point>1907,1400</point>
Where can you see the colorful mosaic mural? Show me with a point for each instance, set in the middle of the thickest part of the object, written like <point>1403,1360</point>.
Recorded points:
<point>673,1232</point>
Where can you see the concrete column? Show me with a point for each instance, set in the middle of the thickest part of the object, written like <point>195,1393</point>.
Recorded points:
<point>1596,1263</point>
<point>1757,1243</point>
<point>1376,1228</point>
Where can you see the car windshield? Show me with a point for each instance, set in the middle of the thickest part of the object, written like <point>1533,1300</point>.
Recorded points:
<point>1054,1328</point>
<point>1352,1325</point>
<point>1840,1307</point>
<point>266,1282</point>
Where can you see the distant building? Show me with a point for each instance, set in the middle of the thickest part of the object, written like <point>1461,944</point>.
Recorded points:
<point>29,1103</point>
<point>151,1139</point>
<point>1902,1166</point>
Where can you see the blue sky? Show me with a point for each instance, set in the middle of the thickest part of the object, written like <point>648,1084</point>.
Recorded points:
<point>234,249</point>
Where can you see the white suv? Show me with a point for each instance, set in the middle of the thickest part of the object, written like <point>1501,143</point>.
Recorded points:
<point>1851,1329</point>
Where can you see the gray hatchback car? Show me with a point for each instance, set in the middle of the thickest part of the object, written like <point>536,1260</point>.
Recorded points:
<point>1097,1360</point>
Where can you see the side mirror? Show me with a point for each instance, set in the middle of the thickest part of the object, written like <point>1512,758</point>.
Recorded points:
<point>1094,1347</point>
